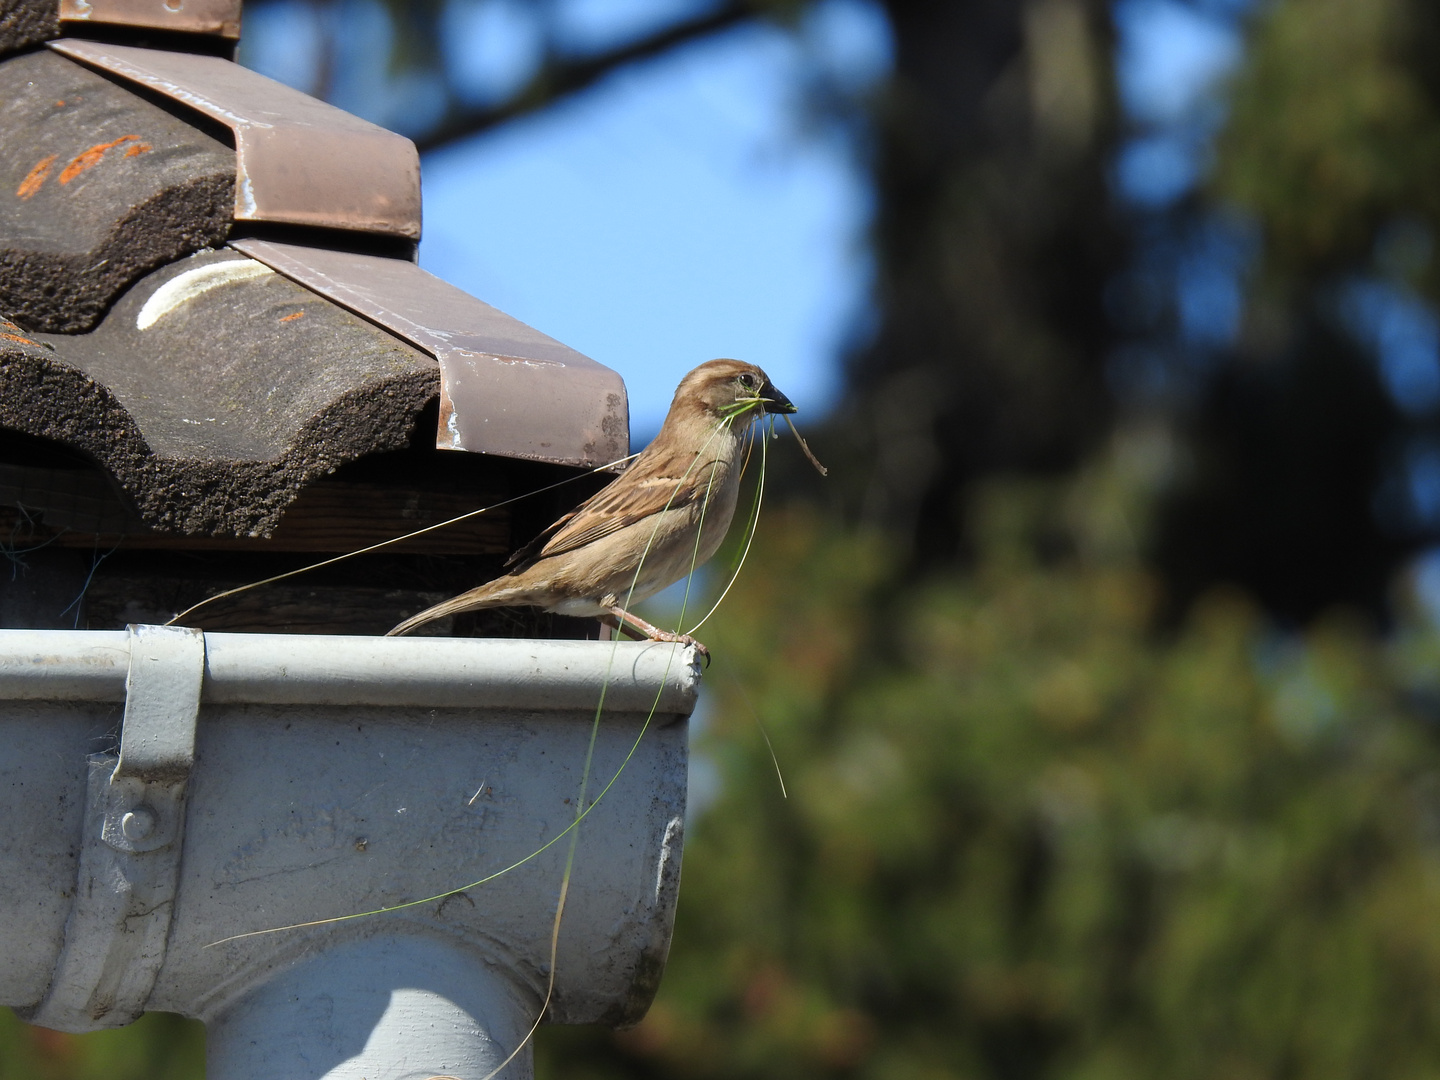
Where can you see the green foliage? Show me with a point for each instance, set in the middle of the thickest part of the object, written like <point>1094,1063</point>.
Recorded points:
<point>1028,836</point>
<point>158,1046</point>
<point>1334,127</point>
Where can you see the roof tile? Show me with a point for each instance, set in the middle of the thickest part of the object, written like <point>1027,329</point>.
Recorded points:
<point>217,441</point>
<point>97,187</point>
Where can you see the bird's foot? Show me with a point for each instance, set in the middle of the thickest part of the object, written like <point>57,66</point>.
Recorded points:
<point>681,639</point>
<point>633,626</point>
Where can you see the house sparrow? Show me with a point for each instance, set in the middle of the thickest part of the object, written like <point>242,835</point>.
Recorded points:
<point>665,515</point>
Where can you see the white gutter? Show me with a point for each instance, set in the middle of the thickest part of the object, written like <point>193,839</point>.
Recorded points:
<point>265,780</point>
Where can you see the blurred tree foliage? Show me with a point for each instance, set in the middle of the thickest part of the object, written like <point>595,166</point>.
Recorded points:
<point>1336,131</point>
<point>1300,482</point>
<point>158,1046</point>
<point>1027,837</point>
<point>1108,730</point>
<point>1099,764</point>
<point>995,237</point>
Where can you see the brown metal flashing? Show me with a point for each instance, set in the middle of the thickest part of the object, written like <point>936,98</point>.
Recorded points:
<point>505,388</point>
<point>299,161</point>
<point>219,17</point>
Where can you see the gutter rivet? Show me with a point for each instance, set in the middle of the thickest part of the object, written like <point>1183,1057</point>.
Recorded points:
<point>139,823</point>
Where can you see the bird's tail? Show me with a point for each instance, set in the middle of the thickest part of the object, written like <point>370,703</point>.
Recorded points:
<point>473,600</point>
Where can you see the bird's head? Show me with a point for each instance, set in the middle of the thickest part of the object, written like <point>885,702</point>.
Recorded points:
<point>731,390</point>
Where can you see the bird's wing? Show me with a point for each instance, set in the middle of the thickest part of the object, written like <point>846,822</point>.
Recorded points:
<point>666,482</point>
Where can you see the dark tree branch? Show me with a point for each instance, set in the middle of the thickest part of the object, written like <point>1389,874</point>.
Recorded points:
<point>557,79</point>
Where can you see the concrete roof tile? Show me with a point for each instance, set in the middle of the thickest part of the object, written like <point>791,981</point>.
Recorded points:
<point>214,390</point>
<point>97,187</point>
<point>26,23</point>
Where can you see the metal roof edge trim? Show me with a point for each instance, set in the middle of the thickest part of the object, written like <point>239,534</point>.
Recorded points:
<point>505,388</point>
<point>219,17</point>
<point>298,160</point>
<point>323,669</point>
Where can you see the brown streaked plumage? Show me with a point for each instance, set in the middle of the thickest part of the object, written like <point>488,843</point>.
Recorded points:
<point>665,515</point>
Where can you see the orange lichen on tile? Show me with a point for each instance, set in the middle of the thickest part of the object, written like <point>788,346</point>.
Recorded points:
<point>60,104</point>
<point>17,337</point>
<point>88,159</point>
<point>137,149</point>
<point>292,318</point>
<point>36,177</point>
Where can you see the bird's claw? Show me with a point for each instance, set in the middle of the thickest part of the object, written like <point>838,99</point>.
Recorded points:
<point>634,627</point>
<point>683,639</point>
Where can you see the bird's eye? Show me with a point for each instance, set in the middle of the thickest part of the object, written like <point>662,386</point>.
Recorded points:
<point>748,381</point>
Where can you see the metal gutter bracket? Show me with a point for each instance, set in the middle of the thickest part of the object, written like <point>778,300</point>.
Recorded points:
<point>134,822</point>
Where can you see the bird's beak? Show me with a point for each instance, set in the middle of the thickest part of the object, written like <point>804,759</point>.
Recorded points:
<point>774,401</point>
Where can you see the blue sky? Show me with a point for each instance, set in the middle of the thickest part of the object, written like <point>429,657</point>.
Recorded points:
<point>686,208</point>
<point>681,210</point>
<point>1172,57</point>
<point>671,217</point>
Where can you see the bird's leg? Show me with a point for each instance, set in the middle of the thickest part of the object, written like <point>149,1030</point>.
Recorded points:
<point>637,628</point>
<point>619,626</point>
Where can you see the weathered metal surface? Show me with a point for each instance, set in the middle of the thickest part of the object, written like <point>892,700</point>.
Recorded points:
<point>299,161</point>
<point>505,388</point>
<point>44,777</point>
<point>219,17</point>
<point>328,795</point>
<point>394,1005</point>
<point>134,823</point>
<point>214,390</point>
<point>277,669</point>
<point>162,699</point>
<point>97,187</point>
